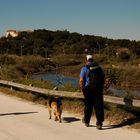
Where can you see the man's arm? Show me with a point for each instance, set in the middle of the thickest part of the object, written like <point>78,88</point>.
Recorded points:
<point>81,84</point>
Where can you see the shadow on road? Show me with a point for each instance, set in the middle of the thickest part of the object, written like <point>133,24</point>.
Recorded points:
<point>17,113</point>
<point>70,119</point>
<point>127,122</point>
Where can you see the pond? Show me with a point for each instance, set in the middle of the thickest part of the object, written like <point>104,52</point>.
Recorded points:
<point>61,80</point>
<point>56,79</point>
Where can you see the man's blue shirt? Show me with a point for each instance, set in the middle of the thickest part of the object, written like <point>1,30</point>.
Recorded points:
<point>84,74</point>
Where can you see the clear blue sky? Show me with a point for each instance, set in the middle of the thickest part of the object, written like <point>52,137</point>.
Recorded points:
<point>117,19</point>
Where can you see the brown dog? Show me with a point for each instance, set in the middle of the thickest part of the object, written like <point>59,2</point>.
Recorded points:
<point>55,107</point>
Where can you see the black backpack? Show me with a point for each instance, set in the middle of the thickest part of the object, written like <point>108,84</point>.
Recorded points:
<point>96,77</point>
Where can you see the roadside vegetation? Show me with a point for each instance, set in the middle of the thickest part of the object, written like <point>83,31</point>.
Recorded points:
<point>20,68</point>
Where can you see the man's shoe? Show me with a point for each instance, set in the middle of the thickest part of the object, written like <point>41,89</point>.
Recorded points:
<point>86,124</point>
<point>99,127</point>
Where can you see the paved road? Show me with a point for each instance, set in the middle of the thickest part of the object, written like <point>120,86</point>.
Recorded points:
<point>22,120</point>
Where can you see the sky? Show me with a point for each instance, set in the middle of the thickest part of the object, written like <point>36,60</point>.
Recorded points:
<point>114,19</point>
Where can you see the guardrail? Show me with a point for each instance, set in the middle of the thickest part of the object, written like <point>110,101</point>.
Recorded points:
<point>78,95</point>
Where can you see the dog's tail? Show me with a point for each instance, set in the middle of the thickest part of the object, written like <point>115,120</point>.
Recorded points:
<point>50,101</point>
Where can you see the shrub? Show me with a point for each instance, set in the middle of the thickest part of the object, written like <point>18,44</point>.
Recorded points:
<point>124,56</point>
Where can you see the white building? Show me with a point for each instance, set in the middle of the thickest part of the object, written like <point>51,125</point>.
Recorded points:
<point>12,33</point>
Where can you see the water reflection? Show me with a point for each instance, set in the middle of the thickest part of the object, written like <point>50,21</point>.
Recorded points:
<point>122,92</point>
<point>56,79</point>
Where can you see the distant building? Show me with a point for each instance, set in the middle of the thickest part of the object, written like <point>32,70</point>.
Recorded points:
<point>12,33</point>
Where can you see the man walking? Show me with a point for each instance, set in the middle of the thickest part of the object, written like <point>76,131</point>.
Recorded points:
<point>91,84</point>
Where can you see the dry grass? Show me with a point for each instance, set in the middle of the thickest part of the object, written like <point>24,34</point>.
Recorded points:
<point>15,67</point>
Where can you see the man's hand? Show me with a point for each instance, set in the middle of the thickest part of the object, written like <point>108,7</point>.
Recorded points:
<point>81,84</point>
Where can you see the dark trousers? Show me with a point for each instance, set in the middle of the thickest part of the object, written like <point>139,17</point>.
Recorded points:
<point>94,100</point>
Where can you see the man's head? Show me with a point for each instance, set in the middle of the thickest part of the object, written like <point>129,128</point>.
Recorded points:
<point>89,58</point>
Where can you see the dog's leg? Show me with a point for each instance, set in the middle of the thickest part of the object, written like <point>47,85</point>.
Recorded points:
<point>50,113</point>
<point>56,119</point>
<point>54,109</point>
<point>59,118</point>
<point>58,115</point>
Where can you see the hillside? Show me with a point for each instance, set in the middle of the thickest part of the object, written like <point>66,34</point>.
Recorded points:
<point>44,42</point>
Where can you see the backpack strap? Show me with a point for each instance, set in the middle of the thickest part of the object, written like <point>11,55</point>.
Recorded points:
<point>93,66</point>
